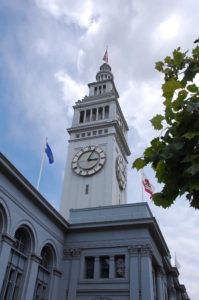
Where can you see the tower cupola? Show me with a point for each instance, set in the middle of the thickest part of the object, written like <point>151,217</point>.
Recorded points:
<point>104,73</point>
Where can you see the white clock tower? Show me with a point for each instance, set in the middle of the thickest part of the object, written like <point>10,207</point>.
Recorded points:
<point>95,173</point>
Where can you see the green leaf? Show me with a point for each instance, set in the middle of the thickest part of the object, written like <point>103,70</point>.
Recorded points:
<point>192,106</point>
<point>177,104</point>
<point>192,88</point>
<point>194,185</point>
<point>159,66</point>
<point>169,88</point>
<point>191,134</point>
<point>139,163</point>
<point>161,171</point>
<point>157,122</point>
<point>168,60</point>
<point>178,57</point>
<point>160,200</point>
<point>193,169</point>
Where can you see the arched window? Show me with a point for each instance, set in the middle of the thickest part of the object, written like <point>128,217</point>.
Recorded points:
<point>13,283</point>
<point>44,274</point>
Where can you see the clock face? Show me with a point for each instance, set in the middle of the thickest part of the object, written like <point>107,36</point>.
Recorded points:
<point>88,161</point>
<point>121,172</point>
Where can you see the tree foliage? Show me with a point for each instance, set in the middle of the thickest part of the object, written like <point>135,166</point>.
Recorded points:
<point>174,154</point>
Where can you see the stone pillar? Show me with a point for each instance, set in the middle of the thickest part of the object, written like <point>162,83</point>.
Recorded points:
<point>146,273</point>
<point>56,283</point>
<point>159,284</point>
<point>111,267</point>
<point>6,245</point>
<point>34,263</point>
<point>134,273</point>
<point>74,274</point>
<point>96,268</point>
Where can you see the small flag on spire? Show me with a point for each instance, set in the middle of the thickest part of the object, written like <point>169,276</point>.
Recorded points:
<point>105,58</point>
<point>49,153</point>
<point>147,185</point>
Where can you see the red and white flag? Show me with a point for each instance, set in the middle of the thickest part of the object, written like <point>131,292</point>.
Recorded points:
<point>105,58</point>
<point>147,185</point>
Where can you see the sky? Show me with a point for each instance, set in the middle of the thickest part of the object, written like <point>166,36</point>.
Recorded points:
<point>51,49</point>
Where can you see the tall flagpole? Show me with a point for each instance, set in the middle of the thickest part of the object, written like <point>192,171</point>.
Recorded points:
<point>42,163</point>
<point>142,187</point>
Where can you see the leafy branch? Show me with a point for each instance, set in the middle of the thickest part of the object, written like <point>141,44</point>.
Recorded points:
<point>174,154</point>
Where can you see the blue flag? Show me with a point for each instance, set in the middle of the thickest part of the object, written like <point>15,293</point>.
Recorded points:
<point>49,154</point>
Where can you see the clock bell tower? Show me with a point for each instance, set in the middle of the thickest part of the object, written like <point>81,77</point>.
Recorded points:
<point>96,165</point>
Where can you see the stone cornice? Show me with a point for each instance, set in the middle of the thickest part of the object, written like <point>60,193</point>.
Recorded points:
<point>119,134</point>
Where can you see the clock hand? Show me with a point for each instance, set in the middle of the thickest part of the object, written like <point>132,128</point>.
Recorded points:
<point>94,158</point>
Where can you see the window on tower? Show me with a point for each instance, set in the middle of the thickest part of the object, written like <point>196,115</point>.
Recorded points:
<point>88,114</point>
<point>100,89</point>
<point>95,91</point>
<point>87,189</point>
<point>81,117</point>
<point>89,267</point>
<point>104,88</point>
<point>104,266</point>
<point>94,114</point>
<point>106,112</point>
<point>100,113</point>
<point>120,266</point>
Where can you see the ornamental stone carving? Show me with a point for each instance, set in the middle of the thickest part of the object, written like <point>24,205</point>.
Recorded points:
<point>71,253</point>
<point>142,249</point>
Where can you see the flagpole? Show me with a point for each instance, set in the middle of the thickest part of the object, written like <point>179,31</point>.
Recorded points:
<point>142,187</point>
<point>42,163</point>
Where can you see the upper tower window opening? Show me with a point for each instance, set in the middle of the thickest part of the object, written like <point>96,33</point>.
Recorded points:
<point>100,113</point>
<point>95,90</point>
<point>106,112</point>
<point>105,76</point>
<point>81,117</point>
<point>88,114</point>
<point>100,89</point>
<point>94,114</point>
<point>104,88</point>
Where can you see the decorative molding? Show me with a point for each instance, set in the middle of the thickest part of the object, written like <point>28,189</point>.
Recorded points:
<point>71,253</point>
<point>8,239</point>
<point>143,249</point>
<point>36,258</point>
<point>57,272</point>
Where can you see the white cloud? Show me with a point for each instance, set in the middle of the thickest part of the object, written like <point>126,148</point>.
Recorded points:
<point>169,28</point>
<point>77,12</point>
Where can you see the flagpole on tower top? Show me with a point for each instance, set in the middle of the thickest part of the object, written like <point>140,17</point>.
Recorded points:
<point>42,164</point>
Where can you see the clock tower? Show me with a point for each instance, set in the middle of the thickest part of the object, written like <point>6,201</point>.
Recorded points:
<point>96,165</point>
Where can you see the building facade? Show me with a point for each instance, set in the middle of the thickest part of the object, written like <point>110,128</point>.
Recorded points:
<point>98,247</point>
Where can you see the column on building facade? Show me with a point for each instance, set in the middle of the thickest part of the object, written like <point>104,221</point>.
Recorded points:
<point>74,274</point>
<point>6,245</point>
<point>134,273</point>
<point>146,273</point>
<point>111,267</point>
<point>56,283</point>
<point>96,268</point>
<point>159,284</point>
<point>32,277</point>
